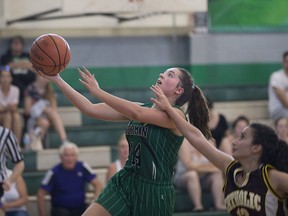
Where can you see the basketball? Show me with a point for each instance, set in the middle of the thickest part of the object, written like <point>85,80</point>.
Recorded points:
<point>50,54</point>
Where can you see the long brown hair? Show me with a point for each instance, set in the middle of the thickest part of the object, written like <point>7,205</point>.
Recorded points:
<point>197,110</point>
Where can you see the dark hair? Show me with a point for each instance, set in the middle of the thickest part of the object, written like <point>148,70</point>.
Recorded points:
<point>285,54</point>
<point>210,104</point>
<point>238,119</point>
<point>197,107</point>
<point>274,151</point>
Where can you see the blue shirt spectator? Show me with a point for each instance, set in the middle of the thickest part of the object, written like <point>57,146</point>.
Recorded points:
<point>66,183</point>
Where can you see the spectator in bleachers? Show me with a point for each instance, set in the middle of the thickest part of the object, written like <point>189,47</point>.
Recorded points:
<point>123,152</point>
<point>9,100</point>
<point>193,172</point>
<point>41,107</point>
<point>66,184</point>
<point>219,129</point>
<point>19,62</point>
<point>238,126</point>
<point>281,128</point>
<point>15,199</point>
<point>278,91</point>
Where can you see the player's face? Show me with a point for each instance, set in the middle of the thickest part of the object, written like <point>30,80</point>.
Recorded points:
<point>169,81</point>
<point>69,158</point>
<point>242,146</point>
<point>123,149</point>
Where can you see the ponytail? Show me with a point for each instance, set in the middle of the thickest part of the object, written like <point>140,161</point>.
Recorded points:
<point>197,107</point>
<point>198,112</point>
<point>279,158</point>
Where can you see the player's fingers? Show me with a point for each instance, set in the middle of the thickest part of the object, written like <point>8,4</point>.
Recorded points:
<point>83,75</point>
<point>87,72</point>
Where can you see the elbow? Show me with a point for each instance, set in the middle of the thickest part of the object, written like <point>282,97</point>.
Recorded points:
<point>136,115</point>
<point>25,199</point>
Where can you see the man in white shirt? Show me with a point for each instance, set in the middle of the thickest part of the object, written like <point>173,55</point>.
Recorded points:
<point>278,91</point>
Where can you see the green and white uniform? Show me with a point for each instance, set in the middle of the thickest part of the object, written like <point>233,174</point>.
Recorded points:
<point>144,186</point>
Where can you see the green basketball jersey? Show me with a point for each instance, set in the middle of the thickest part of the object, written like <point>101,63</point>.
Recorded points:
<point>152,150</point>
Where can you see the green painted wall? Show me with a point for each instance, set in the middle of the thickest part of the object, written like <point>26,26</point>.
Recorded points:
<point>204,75</point>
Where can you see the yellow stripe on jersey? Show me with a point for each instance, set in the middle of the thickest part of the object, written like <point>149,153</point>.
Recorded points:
<point>268,182</point>
<point>226,174</point>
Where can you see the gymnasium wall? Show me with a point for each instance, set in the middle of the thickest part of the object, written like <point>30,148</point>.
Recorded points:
<point>214,59</point>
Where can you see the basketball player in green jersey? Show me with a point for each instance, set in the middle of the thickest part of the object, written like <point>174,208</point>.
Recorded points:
<point>257,178</point>
<point>144,186</point>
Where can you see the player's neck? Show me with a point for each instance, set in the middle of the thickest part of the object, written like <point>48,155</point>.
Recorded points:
<point>250,165</point>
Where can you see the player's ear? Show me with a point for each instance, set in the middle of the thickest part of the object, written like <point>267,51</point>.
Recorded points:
<point>256,148</point>
<point>179,90</point>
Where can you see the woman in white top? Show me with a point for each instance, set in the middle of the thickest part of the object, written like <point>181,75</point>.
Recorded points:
<point>123,151</point>
<point>14,200</point>
<point>9,100</point>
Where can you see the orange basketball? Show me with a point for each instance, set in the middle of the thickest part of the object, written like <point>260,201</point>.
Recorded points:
<point>50,54</point>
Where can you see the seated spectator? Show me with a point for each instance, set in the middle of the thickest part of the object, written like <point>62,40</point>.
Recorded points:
<point>194,170</point>
<point>281,128</point>
<point>278,91</point>
<point>18,60</point>
<point>123,152</point>
<point>237,127</point>
<point>9,150</point>
<point>219,129</point>
<point>14,200</point>
<point>41,107</point>
<point>9,99</point>
<point>66,184</point>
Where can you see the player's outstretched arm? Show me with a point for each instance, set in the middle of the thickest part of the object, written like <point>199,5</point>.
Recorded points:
<point>129,109</point>
<point>192,134</point>
<point>99,111</point>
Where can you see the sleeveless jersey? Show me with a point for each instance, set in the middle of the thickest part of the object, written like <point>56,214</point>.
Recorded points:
<point>255,197</point>
<point>152,150</point>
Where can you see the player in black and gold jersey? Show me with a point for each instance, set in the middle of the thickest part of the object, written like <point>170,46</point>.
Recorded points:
<point>256,182</point>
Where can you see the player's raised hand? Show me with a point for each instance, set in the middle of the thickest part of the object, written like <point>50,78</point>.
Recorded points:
<point>160,99</point>
<point>88,80</point>
<point>54,78</point>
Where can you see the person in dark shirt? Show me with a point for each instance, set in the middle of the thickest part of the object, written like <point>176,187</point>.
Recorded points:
<point>18,60</point>
<point>219,129</point>
<point>66,183</point>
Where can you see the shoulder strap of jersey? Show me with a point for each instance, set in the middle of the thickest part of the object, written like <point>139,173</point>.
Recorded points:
<point>227,173</point>
<point>267,181</point>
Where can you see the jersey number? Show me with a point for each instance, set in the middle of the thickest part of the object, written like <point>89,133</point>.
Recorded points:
<point>136,161</point>
<point>242,212</point>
